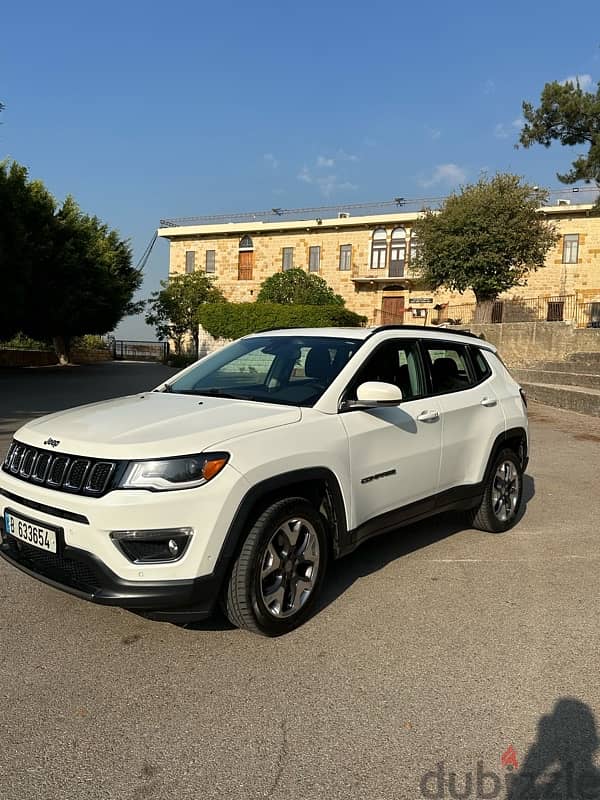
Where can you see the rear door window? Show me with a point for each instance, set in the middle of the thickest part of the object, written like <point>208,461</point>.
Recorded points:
<point>449,366</point>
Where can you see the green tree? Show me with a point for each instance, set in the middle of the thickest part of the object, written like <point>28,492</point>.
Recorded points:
<point>571,116</point>
<point>298,286</point>
<point>486,238</point>
<point>65,273</point>
<point>173,310</point>
<point>26,231</point>
<point>84,285</point>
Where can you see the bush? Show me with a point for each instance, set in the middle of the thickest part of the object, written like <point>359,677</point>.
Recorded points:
<point>232,320</point>
<point>181,360</point>
<point>297,286</point>
<point>21,342</point>
<point>90,341</point>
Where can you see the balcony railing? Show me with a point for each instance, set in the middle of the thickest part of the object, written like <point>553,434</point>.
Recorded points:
<point>402,272</point>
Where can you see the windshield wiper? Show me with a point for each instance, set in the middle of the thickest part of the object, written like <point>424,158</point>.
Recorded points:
<point>218,393</point>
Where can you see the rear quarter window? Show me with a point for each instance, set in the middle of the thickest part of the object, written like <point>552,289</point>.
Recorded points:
<point>481,368</point>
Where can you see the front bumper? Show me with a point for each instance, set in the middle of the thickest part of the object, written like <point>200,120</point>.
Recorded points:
<point>80,573</point>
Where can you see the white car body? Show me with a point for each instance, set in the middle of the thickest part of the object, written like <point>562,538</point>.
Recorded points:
<point>381,467</point>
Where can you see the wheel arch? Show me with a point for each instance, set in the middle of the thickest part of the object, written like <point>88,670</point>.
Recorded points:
<point>318,485</point>
<point>513,438</point>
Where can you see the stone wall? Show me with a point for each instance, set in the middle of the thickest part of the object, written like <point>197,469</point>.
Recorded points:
<point>47,358</point>
<point>581,279</point>
<point>523,343</point>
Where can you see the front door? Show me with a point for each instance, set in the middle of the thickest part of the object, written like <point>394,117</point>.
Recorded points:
<point>392,311</point>
<point>394,452</point>
<point>245,265</point>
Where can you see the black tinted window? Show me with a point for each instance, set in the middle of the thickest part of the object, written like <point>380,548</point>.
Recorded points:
<point>449,366</point>
<point>394,362</point>
<point>480,365</point>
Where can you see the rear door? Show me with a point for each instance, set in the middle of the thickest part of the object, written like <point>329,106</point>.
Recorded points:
<point>471,415</point>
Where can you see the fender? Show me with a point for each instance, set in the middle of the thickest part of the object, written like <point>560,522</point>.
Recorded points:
<point>263,491</point>
<point>501,440</point>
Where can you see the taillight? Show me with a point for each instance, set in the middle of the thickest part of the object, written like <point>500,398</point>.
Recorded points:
<point>523,397</point>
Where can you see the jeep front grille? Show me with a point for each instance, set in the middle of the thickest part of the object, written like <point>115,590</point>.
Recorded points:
<point>59,471</point>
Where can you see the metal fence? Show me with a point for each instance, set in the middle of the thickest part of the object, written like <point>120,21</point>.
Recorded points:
<point>549,308</point>
<point>588,315</point>
<point>140,351</point>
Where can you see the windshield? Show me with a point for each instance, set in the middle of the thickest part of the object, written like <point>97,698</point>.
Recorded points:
<point>292,370</point>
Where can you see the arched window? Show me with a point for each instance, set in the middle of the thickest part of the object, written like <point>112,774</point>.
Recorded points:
<point>379,249</point>
<point>245,259</point>
<point>398,253</point>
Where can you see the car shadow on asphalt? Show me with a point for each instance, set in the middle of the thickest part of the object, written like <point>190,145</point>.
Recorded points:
<point>376,553</point>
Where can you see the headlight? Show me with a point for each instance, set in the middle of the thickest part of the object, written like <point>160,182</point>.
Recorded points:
<point>167,474</point>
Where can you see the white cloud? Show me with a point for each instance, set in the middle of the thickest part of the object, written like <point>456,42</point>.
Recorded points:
<point>500,131</point>
<point>518,122</point>
<point>433,133</point>
<point>448,174</point>
<point>327,184</point>
<point>342,155</point>
<point>489,87</point>
<point>585,81</point>
<point>271,160</point>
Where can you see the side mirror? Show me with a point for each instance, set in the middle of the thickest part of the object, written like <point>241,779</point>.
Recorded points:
<point>376,394</point>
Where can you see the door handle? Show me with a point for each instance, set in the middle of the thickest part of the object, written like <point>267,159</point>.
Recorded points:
<point>428,416</point>
<point>488,402</point>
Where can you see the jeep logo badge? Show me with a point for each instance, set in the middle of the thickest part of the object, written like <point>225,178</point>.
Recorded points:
<point>52,442</point>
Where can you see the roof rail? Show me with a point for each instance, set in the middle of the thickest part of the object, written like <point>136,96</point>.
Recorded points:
<point>433,328</point>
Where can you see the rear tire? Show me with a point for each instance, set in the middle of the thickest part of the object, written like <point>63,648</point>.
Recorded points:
<point>276,579</point>
<point>503,492</point>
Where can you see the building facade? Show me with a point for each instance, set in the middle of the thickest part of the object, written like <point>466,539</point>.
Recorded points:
<point>367,260</point>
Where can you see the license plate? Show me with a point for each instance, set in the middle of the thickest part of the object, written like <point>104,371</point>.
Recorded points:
<point>30,532</point>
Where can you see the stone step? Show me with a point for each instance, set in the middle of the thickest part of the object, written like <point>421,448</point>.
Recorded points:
<point>586,367</point>
<point>583,379</point>
<point>571,398</point>
<point>588,358</point>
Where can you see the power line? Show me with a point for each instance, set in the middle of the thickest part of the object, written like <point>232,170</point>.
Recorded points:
<point>146,254</point>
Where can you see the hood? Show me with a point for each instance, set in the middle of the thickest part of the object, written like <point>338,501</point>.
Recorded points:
<point>153,425</point>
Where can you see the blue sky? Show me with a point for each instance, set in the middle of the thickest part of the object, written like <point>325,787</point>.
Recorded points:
<point>143,111</point>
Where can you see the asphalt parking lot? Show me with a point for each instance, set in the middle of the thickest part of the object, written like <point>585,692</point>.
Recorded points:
<point>434,649</point>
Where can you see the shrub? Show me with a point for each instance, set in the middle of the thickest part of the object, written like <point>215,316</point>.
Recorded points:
<point>90,341</point>
<point>297,286</point>
<point>181,360</point>
<point>232,320</point>
<point>21,342</point>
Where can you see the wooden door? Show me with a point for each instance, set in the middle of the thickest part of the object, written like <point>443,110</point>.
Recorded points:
<point>397,259</point>
<point>392,311</point>
<point>245,265</point>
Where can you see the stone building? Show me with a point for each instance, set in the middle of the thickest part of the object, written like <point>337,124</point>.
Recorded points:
<point>366,258</point>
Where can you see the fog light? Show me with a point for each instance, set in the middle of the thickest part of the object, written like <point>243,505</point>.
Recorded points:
<point>146,547</point>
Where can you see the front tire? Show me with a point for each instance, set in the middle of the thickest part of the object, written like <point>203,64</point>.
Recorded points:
<point>276,579</point>
<point>503,492</point>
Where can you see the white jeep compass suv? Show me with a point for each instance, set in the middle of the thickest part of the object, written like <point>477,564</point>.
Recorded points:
<point>239,479</point>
